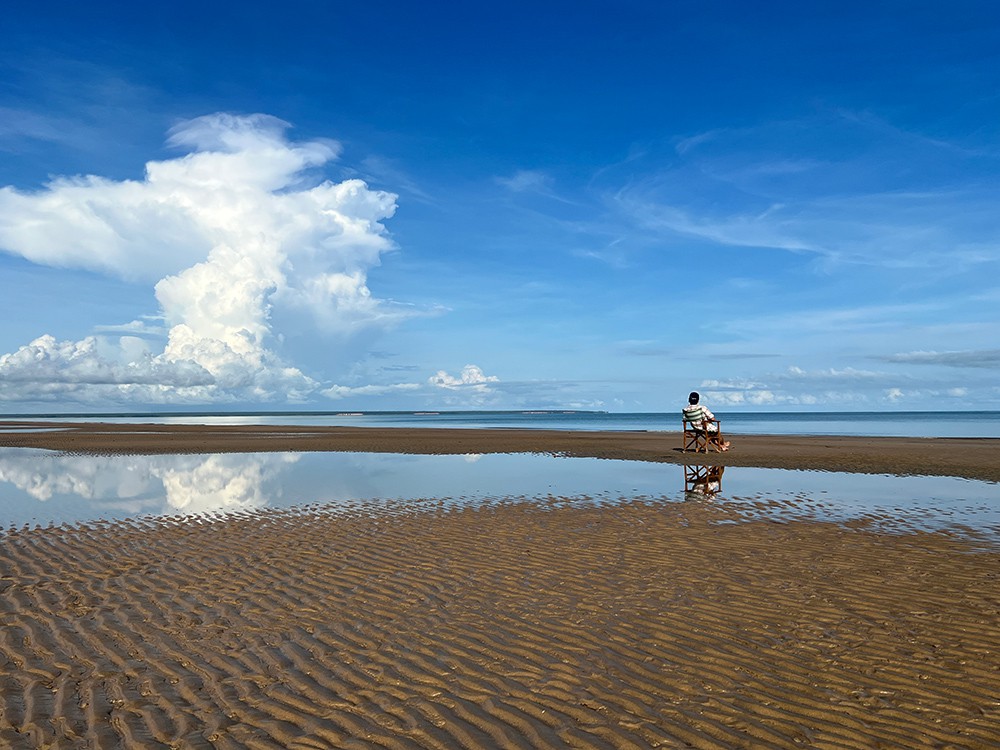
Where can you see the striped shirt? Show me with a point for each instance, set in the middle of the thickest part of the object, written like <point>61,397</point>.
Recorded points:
<point>697,413</point>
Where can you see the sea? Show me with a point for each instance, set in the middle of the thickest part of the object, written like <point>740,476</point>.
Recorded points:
<point>921,424</point>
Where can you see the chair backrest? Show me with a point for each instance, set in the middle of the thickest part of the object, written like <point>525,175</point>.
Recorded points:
<point>694,413</point>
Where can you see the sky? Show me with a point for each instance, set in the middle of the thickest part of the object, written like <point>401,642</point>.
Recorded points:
<point>457,205</point>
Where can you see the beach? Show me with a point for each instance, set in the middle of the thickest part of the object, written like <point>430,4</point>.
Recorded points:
<point>514,623</point>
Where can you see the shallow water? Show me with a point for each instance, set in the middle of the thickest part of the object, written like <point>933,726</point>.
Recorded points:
<point>40,487</point>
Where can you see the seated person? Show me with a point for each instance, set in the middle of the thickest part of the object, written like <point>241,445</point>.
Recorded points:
<point>696,413</point>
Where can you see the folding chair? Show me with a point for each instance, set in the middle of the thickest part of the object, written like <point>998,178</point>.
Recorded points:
<point>696,435</point>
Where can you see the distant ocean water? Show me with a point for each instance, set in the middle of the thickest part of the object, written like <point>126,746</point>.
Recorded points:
<point>892,424</point>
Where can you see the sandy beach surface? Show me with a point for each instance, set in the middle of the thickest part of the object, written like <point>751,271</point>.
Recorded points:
<point>509,624</point>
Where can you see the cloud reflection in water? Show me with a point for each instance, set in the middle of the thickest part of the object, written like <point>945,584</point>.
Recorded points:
<point>41,487</point>
<point>119,486</point>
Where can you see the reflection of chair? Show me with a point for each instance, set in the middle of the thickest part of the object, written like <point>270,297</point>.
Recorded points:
<point>703,481</point>
<point>698,436</point>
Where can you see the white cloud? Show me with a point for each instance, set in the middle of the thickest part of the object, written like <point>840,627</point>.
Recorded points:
<point>48,360</point>
<point>47,370</point>
<point>471,378</point>
<point>733,384</point>
<point>231,233</point>
<point>741,398</point>
<point>468,387</point>
<point>796,386</point>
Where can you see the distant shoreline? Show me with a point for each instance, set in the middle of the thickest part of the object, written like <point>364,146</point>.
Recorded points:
<point>858,424</point>
<point>971,458</point>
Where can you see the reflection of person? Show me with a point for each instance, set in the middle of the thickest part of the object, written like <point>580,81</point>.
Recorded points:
<point>696,412</point>
<point>702,481</point>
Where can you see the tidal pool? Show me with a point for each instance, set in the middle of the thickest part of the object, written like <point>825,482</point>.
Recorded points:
<point>41,488</point>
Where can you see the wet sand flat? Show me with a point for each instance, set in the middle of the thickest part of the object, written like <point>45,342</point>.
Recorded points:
<point>973,458</point>
<point>514,624</point>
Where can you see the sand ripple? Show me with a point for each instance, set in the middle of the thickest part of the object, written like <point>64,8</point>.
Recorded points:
<point>510,625</point>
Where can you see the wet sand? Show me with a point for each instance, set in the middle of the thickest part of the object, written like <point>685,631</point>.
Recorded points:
<point>514,624</point>
<point>510,625</point>
<point>972,458</point>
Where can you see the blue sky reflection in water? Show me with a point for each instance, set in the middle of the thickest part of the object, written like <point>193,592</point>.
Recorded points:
<point>38,487</point>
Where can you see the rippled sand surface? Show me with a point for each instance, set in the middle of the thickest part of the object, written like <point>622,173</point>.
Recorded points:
<point>555,624</point>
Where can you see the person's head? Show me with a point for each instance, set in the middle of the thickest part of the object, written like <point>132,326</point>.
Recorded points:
<point>693,398</point>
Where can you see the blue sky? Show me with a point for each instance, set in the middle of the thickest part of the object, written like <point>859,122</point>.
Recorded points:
<point>600,205</point>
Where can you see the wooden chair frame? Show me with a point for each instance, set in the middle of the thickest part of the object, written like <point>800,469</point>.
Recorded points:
<point>698,438</point>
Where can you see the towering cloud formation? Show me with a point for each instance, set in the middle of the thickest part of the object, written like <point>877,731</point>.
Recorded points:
<point>229,233</point>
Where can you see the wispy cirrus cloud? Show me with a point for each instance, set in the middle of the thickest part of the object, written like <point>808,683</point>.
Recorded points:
<point>346,391</point>
<point>850,188</point>
<point>525,180</point>
<point>981,358</point>
<point>534,182</point>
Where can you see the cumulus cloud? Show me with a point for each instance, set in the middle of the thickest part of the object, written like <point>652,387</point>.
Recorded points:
<point>46,360</point>
<point>848,387</point>
<point>741,398</point>
<point>229,233</point>
<point>796,386</point>
<point>471,378</point>
<point>731,384</point>
<point>471,381</point>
